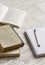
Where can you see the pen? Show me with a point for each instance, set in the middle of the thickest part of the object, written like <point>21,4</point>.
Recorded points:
<point>36,38</point>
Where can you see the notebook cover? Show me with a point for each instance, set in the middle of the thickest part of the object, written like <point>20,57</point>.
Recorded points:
<point>38,51</point>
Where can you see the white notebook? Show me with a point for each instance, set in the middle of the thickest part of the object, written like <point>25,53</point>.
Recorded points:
<point>11,16</point>
<point>36,38</point>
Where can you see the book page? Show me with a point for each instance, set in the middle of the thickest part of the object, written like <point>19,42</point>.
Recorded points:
<point>14,17</point>
<point>3,11</point>
<point>11,16</point>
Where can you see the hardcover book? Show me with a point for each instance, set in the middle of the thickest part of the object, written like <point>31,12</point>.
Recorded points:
<point>12,53</point>
<point>9,39</point>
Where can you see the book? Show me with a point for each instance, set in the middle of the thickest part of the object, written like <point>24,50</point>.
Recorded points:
<point>36,38</point>
<point>19,33</point>
<point>12,53</point>
<point>3,11</point>
<point>9,39</point>
<point>11,16</point>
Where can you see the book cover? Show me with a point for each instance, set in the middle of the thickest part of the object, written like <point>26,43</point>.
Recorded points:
<point>12,53</point>
<point>9,39</point>
<point>36,38</point>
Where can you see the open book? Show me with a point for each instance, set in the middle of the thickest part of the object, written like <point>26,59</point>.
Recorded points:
<point>36,38</point>
<point>11,16</point>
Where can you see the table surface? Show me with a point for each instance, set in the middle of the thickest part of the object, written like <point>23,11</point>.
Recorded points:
<point>35,17</point>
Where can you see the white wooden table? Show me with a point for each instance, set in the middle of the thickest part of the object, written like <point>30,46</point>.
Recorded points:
<point>35,17</point>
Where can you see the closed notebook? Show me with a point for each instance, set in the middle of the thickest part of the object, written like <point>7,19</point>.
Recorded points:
<point>9,39</point>
<point>12,53</point>
<point>36,38</point>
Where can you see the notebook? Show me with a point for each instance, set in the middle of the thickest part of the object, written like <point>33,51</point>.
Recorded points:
<point>9,39</point>
<point>11,16</point>
<point>36,38</point>
<point>12,53</point>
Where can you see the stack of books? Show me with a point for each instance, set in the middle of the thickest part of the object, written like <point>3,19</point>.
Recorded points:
<point>10,41</point>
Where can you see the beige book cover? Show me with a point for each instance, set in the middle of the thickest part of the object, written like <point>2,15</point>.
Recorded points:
<point>12,53</point>
<point>9,39</point>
